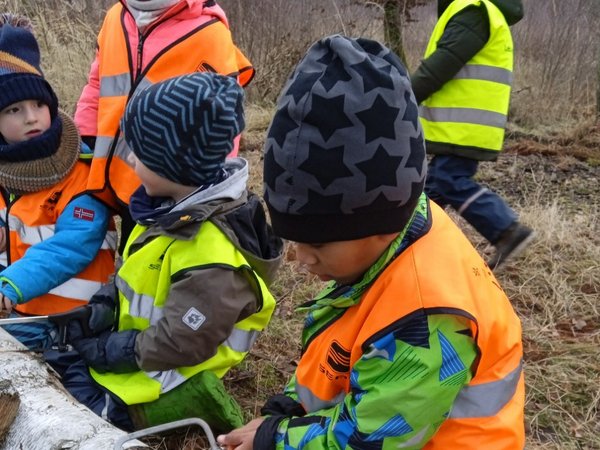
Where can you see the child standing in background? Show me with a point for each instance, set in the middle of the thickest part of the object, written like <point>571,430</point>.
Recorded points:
<point>56,247</point>
<point>142,42</point>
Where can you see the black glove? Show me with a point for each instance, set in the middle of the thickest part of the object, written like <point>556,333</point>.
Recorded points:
<point>109,351</point>
<point>101,318</point>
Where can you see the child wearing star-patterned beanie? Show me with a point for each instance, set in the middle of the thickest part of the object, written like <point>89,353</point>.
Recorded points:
<point>412,343</point>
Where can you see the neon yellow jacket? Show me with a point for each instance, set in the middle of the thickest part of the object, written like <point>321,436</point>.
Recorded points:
<point>195,284</point>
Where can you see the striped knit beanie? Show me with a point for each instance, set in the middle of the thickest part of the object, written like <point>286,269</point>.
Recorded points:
<point>183,128</point>
<point>344,155</point>
<point>20,75</point>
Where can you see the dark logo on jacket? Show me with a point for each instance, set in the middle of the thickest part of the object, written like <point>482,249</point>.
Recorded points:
<point>338,357</point>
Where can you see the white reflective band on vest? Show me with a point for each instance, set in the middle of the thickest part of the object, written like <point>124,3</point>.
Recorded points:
<point>463,115</point>
<point>115,85</point>
<point>30,235</point>
<point>140,305</point>
<point>486,399</point>
<point>311,402</point>
<point>77,289</point>
<point>486,73</point>
<point>168,379</point>
<point>241,340</point>
<point>103,144</point>
<point>110,241</point>
<point>35,235</point>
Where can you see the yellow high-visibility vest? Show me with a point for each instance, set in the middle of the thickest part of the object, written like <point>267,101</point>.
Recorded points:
<point>142,296</point>
<point>467,116</point>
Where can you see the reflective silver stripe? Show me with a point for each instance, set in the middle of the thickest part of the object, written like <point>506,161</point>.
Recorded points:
<point>122,149</point>
<point>77,288</point>
<point>110,241</point>
<point>104,412</point>
<point>241,340</point>
<point>487,73</point>
<point>103,143</point>
<point>470,200</point>
<point>142,84</point>
<point>35,235</point>
<point>102,146</point>
<point>140,305</point>
<point>487,399</point>
<point>30,235</point>
<point>313,403</point>
<point>168,379</point>
<point>115,85</point>
<point>463,115</point>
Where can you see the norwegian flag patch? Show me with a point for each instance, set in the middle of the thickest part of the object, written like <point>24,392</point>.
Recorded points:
<point>85,214</point>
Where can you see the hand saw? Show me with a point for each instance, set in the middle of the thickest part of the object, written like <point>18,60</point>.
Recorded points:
<point>61,320</point>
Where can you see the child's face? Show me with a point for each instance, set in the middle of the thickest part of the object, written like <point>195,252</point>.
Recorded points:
<point>342,261</point>
<point>157,186</point>
<point>24,120</point>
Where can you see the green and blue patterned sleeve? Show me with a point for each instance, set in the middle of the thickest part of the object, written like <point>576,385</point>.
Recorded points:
<point>402,389</point>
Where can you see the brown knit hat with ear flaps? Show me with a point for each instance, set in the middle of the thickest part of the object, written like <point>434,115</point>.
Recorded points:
<point>21,177</point>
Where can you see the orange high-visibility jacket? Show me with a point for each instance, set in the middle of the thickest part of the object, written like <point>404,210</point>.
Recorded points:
<point>440,273</point>
<point>182,45</point>
<point>32,219</point>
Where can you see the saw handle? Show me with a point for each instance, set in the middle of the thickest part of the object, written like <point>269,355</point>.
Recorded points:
<point>61,320</point>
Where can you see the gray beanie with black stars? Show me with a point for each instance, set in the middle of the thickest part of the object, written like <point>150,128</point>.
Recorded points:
<point>344,155</point>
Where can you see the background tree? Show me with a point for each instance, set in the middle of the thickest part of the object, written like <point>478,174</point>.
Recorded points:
<point>395,14</point>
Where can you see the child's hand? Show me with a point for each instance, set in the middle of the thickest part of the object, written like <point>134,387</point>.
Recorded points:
<point>241,438</point>
<point>5,304</point>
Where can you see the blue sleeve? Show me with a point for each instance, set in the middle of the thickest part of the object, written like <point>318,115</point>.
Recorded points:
<point>71,249</point>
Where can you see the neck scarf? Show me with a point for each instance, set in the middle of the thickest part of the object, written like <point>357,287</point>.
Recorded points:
<point>147,11</point>
<point>45,160</point>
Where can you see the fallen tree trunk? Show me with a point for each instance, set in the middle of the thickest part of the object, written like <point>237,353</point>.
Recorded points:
<point>48,418</point>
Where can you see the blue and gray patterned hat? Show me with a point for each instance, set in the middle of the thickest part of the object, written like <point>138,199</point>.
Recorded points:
<point>345,155</point>
<point>183,128</point>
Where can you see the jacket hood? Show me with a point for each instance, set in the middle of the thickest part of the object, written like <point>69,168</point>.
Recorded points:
<point>235,211</point>
<point>511,9</point>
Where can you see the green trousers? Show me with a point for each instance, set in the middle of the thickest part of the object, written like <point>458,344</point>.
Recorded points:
<point>202,396</point>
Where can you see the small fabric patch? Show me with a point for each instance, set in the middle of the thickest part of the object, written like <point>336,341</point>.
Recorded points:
<point>193,318</point>
<point>85,214</point>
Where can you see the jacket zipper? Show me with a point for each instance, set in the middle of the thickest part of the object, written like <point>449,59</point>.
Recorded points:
<point>145,34</point>
<point>9,200</point>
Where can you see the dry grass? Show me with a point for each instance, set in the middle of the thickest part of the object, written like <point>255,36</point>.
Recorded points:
<point>555,286</point>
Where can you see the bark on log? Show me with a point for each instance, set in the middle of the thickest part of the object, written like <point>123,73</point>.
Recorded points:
<point>48,418</point>
<point>9,406</point>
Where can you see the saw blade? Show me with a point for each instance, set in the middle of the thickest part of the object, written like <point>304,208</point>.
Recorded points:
<point>15,320</point>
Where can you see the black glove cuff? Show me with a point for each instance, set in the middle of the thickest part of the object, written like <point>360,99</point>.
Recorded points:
<point>282,405</point>
<point>264,439</point>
